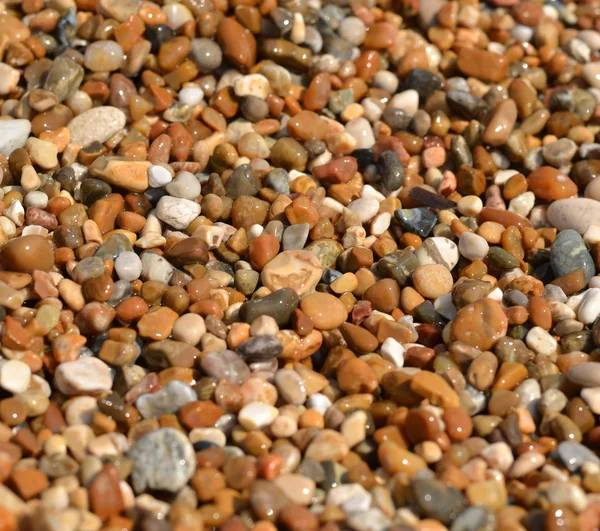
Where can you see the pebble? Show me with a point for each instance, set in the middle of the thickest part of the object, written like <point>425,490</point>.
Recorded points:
<point>177,212</point>
<point>420,221</point>
<point>10,79</point>
<point>166,401</point>
<point>589,307</point>
<point>365,208</point>
<point>432,281</point>
<point>435,500</point>
<point>13,135</point>
<point>391,170</point>
<point>103,56</point>
<point>297,270</point>
<point>479,324</point>
<point>501,124</point>
<point>297,488</point>
<point>360,129</point>
<point>569,253</point>
<point>541,342</point>
<point>96,125</point>
<point>473,246</point>
<point>551,184</point>
<point>408,101</point>
<point>475,518</point>
<point>128,266</point>
<point>163,459</point>
<point>280,305</point>
<point>585,374</point>
<point>15,376</point>
<point>325,311</point>
<point>26,254</point>
<point>185,185</point>
<point>84,375</point>
<point>206,54</point>
<point>257,415</point>
<point>577,214</point>
<point>575,455</point>
<point>158,176</point>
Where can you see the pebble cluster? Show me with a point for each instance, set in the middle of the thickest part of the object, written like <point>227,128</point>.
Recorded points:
<point>299,265</point>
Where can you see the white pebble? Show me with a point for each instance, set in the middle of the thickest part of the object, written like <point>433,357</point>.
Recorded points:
<point>372,193</point>
<point>365,208</point>
<point>386,80</point>
<point>81,410</point>
<point>591,395</point>
<point>191,95</point>
<point>541,342</point>
<point>128,266</point>
<point>498,455</point>
<point>252,85</point>
<point>373,109</point>
<point>158,176</point>
<point>83,376</point>
<point>36,199</point>
<point>591,38</point>
<point>353,30</point>
<point>590,306</point>
<point>573,302</point>
<point>189,328</point>
<point>408,101</point>
<point>318,402</point>
<point>592,235</point>
<point>9,79</point>
<point>472,246</point>
<point>264,325</point>
<point>15,212</point>
<point>257,415</point>
<point>177,14</point>
<point>177,212</point>
<point>372,519</point>
<point>350,496</point>
<point>15,376</point>
<point>522,204</point>
<point>393,351</point>
<point>470,205</point>
<point>381,223</point>
<point>254,231</point>
<point>360,129</point>
<point>529,390</point>
<point>13,133</point>
<point>34,229</point>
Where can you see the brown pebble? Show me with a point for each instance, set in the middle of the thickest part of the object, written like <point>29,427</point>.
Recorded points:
<point>26,254</point>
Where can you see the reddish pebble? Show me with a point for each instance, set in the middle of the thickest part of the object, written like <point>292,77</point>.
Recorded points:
<point>337,171</point>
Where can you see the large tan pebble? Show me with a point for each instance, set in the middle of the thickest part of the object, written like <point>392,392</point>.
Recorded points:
<point>326,311</point>
<point>27,253</point>
<point>299,270</point>
<point>432,281</point>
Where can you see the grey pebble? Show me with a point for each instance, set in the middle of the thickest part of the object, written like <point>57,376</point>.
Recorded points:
<point>569,253</point>
<point>164,459</point>
<point>574,455</point>
<point>165,401</point>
